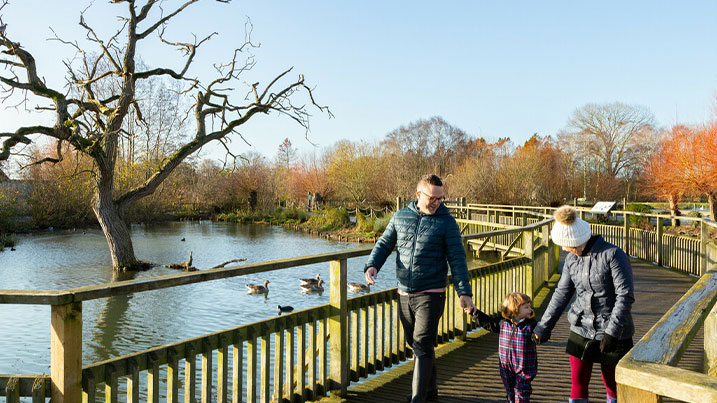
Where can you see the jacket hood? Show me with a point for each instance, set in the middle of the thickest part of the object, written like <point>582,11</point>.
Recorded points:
<point>441,210</point>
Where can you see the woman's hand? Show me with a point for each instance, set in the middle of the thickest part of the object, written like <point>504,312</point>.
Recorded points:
<point>608,344</point>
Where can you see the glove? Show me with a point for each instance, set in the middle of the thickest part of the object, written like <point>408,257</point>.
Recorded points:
<point>608,344</point>
<point>481,318</point>
<point>538,339</point>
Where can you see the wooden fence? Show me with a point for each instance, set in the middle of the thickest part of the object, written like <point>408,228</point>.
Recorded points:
<point>299,356</point>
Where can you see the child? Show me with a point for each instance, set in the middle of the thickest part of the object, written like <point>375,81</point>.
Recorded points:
<point>516,351</point>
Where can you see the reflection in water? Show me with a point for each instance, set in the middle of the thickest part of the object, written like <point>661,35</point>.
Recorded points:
<point>110,318</point>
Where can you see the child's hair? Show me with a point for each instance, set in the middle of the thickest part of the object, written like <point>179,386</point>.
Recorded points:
<point>512,302</point>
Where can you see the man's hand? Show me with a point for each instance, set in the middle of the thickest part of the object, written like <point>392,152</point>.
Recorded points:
<point>370,275</point>
<point>467,304</point>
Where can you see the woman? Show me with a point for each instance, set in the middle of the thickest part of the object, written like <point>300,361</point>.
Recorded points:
<point>601,326</point>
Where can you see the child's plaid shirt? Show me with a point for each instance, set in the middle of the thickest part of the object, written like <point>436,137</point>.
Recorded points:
<point>515,348</point>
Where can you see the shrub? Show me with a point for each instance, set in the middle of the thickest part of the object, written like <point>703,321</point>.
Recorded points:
<point>330,219</point>
<point>638,221</point>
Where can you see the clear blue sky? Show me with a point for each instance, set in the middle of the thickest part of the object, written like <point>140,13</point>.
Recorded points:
<point>493,69</point>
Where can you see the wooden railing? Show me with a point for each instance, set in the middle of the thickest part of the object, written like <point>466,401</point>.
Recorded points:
<point>648,372</point>
<point>299,356</point>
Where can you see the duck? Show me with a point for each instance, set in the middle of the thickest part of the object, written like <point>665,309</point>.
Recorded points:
<point>258,289</point>
<point>312,287</point>
<point>285,308</point>
<point>183,239</point>
<point>310,281</point>
<point>12,249</point>
<point>358,287</point>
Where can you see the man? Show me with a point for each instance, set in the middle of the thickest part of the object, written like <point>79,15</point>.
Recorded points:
<point>428,241</point>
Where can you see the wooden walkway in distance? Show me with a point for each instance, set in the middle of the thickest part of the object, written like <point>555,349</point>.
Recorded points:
<point>468,371</point>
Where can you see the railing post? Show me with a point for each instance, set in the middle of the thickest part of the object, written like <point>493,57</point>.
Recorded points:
<point>633,395</point>
<point>548,253</point>
<point>338,329</point>
<point>626,233</point>
<point>658,241</point>
<point>496,214</point>
<point>704,238</point>
<point>398,203</point>
<point>66,352</point>
<point>528,248</point>
<point>710,330</point>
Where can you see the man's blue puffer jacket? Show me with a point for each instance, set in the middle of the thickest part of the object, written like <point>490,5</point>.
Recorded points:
<point>426,246</point>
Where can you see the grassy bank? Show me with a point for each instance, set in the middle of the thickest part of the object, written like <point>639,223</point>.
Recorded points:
<point>333,223</point>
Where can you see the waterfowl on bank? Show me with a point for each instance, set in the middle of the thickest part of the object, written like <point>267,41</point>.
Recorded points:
<point>310,281</point>
<point>285,308</point>
<point>258,289</point>
<point>358,287</point>
<point>312,287</point>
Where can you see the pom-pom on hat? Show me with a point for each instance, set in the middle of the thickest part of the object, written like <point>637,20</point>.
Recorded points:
<point>569,230</point>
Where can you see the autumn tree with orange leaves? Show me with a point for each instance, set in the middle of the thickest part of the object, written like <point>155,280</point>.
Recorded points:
<point>685,164</point>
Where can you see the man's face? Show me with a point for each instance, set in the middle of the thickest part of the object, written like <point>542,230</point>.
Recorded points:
<point>575,250</point>
<point>429,198</point>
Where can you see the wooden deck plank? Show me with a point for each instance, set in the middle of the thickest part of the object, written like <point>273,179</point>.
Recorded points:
<point>468,371</point>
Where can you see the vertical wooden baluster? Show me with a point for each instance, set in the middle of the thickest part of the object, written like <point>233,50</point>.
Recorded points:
<point>238,368</point>
<point>207,371</point>
<point>265,390</point>
<point>172,376</point>
<point>401,335</point>
<point>12,390</point>
<point>393,331</point>
<point>289,388</point>
<point>381,335</point>
<point>278,359</point>
<point>89,387</point>
<point>372,334</point>
<point>190,373</point>
<point>152,378</point>
<point>364,337</point>
<point>323,373</point>
<point>111,384</point>
<point>251,379</point>
<point>38,391</point>
<point>222,369</point>
<point>301,357</point>
<point>133,382</point>
<point>312,356</point>
<point>355,341</point>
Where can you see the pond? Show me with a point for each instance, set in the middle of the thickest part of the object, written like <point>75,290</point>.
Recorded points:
<point>116,326</point>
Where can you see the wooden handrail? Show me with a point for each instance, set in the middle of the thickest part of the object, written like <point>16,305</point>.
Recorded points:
<point>45,297</point>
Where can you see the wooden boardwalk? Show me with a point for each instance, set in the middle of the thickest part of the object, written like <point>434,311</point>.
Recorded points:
<point>468,371</point>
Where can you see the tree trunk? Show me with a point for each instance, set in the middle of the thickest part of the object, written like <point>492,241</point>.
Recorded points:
<point>712,201</point>
<point>674,210</point>
<point>115,228</point>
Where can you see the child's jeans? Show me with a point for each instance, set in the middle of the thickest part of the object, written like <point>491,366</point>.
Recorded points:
<point>517,385</point>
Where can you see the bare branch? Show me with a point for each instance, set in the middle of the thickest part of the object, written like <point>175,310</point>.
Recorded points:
<point>161,20</point>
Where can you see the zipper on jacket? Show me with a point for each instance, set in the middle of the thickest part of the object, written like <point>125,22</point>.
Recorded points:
<point>413,251</point>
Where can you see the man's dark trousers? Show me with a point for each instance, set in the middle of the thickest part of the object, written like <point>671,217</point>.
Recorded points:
<point>419,314</point>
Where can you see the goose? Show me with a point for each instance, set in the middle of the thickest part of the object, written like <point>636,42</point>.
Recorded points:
<point>258,289</point>
<point>285,308</point>
<point>358,287</point>
<point>310,281</point>
<point>312,287</point>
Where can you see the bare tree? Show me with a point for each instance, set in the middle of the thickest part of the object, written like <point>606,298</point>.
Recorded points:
<point>618,137</point>
<point>92,114</point>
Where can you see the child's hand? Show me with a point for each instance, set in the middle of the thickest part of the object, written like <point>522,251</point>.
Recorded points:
<point>481,318</point>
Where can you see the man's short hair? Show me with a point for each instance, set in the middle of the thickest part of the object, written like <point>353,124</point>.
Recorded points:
<point>430,179</point>
<point>512,302</point>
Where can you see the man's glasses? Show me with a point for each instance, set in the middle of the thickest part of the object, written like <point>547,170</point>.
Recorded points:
<point>432,199</point>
